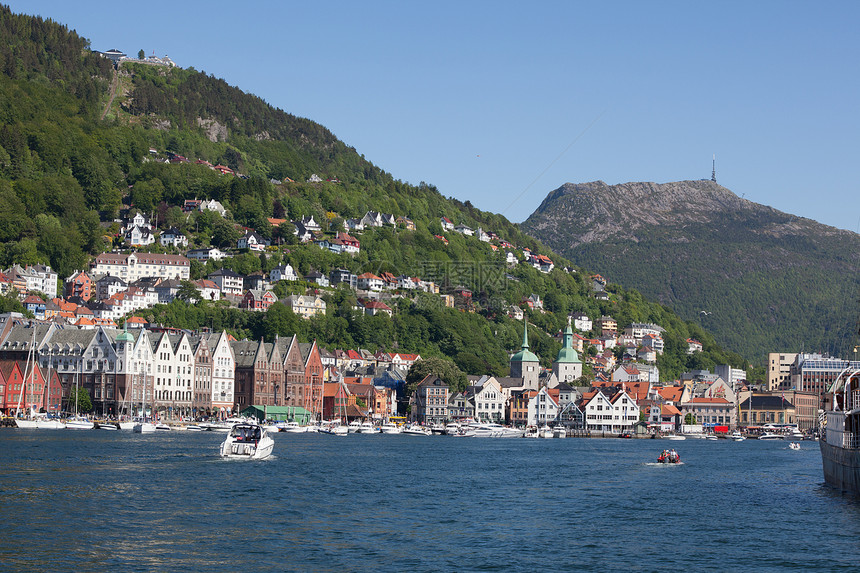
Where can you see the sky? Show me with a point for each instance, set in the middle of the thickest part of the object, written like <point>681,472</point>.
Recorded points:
<point>500,102</point>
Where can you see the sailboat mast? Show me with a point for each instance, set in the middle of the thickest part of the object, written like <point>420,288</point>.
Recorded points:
<point>26,372</point>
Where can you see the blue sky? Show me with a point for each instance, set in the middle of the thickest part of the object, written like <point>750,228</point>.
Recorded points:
<point>501,102</point>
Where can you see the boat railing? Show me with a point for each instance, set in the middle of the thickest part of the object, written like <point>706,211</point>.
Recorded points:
<point>853,400</point>
<point>851,441</point>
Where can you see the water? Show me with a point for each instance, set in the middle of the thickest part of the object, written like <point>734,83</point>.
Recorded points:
<point>116,501</point>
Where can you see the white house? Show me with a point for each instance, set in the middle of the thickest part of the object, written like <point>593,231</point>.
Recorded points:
<point>283,273</point>
<point>581,322</point>
<point>369,281</point>
<point>465,230</point>
<point>488,399</point>
<point>542,408</point>
<point>230,282</point>
<point>598,411</point>
<point>213,205</point>
<point>173,238</point>
<point>252,241</point>
<point>205,254</point>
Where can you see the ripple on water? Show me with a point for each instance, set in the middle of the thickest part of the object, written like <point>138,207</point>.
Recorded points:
<point>113,500</point>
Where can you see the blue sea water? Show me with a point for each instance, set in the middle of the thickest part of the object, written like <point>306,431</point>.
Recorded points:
<point>116,501</point>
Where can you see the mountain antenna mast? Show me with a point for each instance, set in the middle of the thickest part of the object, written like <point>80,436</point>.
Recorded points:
<point>714,169</point>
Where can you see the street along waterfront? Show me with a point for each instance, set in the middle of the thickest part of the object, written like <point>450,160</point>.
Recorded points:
<point>120,501</point>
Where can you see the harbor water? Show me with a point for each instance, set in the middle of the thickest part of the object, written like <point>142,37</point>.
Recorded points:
<point>117,501</point>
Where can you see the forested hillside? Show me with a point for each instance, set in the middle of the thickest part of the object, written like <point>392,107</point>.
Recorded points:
<point>759,279</point>
<point>66,174</point>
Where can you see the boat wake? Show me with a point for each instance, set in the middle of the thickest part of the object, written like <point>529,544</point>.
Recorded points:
<point>658,464</point>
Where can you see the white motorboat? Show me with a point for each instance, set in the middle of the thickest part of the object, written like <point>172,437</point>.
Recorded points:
<point>416,430</point>
<point>367,427</point>
<point>545,432</point>
<point>107,426</point>
<point>794,436</point>
<point>676,437</point>
<point>293,428</point>
<point>794,445</point>
<point>452,429</point>
<point>161,427</point>
<point>79,424</point>
<point>334,429</point>
<point>389,428</point>
<point>559,432</point>
<point>438,428</point>
<point>770,436</point>
<point>126,425</point>
<point>354,426</point>
<point>143,427</point>
<point>193,428</point>
<point>492,430</point>
<point>247,441</point>
<point>737,436</point>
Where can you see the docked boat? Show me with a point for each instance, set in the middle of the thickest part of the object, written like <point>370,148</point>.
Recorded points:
<point>559,432</point>
<point>80,424</point>
<point>161,427</point>
<point>112,426</point>
<point>676,437</point>
<point>416,430</point>
<point>438,428</point>
<point>452,429</point>
<point>293,428</point>
<point>840,438</point>
<point>367,427</point>
<point>247,441</point>
<point>389,428</point>
<point>491,430</point>
<point>354,426</point>
<point>545,432</point>
<point>738,437</point>
<point>143,426</point>
<point>669,457</point>
<point>793,436</point>
<point>334,429</point>
<point>770,436</point>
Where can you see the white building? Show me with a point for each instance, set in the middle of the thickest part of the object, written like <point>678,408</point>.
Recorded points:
<point>174,375</point>
<point>205,254</point>
<point>488,399</point>
<point>229,281</point>
<point>134,266</point>
<point>542,408</point>
<point>283,273</point>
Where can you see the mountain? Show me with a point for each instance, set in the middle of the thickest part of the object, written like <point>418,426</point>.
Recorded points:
<point>759,279</point>
<point>83,141</point>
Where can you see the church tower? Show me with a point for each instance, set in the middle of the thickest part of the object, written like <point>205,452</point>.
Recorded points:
<point>524,364</point>
<point>567,366</point>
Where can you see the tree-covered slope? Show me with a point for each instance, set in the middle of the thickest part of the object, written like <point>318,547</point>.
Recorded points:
<point>76,139</point>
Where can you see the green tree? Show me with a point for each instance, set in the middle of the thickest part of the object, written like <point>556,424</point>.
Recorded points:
<point>84,404</point>
<point>141,54</point>
<point>188,292</point>
<point>444,369</point>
